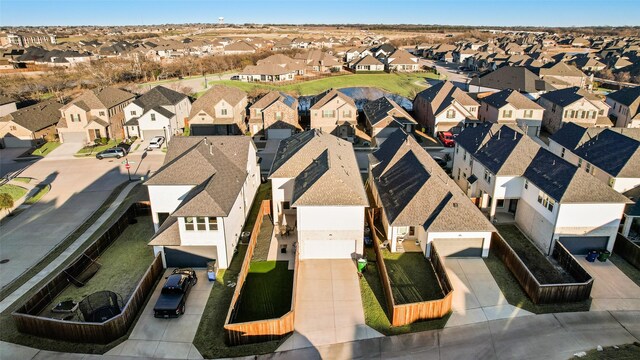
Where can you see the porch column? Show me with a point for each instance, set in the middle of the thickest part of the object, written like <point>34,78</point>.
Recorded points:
<point>627,225</point>
<point>492,209</point>
<point>156,221</point>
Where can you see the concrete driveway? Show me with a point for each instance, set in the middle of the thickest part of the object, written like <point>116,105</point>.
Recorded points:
<point>64,151</point>
<point>612,289</point>
<point>168,338</point>
<point>328,305</point>
<point>476,296</point>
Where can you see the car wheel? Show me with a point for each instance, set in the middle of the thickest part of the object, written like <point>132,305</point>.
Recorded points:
<point>118,156</point>
<point>99,157</point>
<point>182,309</point>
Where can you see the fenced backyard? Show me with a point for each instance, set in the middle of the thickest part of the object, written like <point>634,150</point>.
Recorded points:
<point>28,317</point>
<point>628,250</point>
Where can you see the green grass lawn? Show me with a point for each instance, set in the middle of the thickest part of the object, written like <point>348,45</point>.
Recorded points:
<point>123,264</point>
<point>623,352</point>
<point>631,271</point>
<point>46,148</point>
<point>92,150</point>
<point>537,263</point>
<point>516,295</point>
<point>209,339</point>
<point>375,306</point>
<point>25,180</point>
<point>16,192</point>
<point>267,291</point>
<point>402,84</point>
<point>43,189</point>
<point>263,242</point>
<point>412,277</point>
<point>263,193</point>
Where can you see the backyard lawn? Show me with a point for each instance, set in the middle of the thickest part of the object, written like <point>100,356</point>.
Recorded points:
<point>123,264</point>
<point>92,150</point>
<point>267,291</point>
<point>406,85</point>
<point>412,277</point>
<point>375,306</point>
<point>539,265</point>
<point>16,192</point>
<point>264,193</point>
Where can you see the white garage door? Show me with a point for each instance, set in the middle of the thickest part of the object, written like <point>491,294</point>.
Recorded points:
<point>457,247</point>
<point>327,249</point>
<point>149,134</point>
<point>73,137</point>
<point>278,133</point>
<point>14,142</point>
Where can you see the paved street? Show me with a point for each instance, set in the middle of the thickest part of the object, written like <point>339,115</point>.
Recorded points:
<point>450,72</point>
<point>78,187</point>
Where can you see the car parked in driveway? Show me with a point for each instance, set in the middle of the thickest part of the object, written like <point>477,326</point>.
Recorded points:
<point>156,142</point>
<point>115,152</point>
<point>173,296</point>
<point>446,138</point>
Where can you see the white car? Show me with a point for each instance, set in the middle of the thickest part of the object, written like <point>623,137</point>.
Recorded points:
<point>156,142</point>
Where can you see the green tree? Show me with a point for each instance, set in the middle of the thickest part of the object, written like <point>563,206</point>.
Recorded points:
<point>6,202</point>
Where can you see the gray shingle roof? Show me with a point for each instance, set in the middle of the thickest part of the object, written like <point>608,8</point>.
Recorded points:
<point>383,109</point>
<point>442,94</point>
<point>568,96</point>
<point>213,96</point>
<point>510,96</point>
<point>101,98</point>
<point>511,77</point>
<point>321,99</point>
<point>323,167</point>
<point>36,117</point>
<point>626,96</point>
<point>159,96</point>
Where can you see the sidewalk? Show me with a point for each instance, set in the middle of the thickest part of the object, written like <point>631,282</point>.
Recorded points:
<point>44,273</point>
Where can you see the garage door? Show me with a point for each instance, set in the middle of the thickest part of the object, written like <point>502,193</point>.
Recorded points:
<point>73,137</point>
<point>189,256</point>
<point>457,247</point>
<point>149,134</point>
<point>278,133</point>
<point>580,245</point>
<point>14,142</point>
<point>328,249</point>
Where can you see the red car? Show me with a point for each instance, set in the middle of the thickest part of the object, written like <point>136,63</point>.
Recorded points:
<point>446,138</point>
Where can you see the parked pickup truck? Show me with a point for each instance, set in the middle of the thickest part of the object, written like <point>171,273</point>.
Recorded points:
<point>173,296</point>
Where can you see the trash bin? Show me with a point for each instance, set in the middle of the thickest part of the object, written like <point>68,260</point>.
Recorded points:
<point>592,255</point>
<point>211,270</point>
<point>362,264</point>
<point>604,255</point>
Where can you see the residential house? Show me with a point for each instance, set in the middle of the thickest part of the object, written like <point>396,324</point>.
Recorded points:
<point>612,155</point>
<point>384,116</point>
<point>7,105</point>
<point>421,205</point>
<point>334,113</point>
<point>367,63</point>
<point>319,61</point>
<point>93,115</point>
<point>201,197</point>
<point>511,107</point>
<point>317,191</point>
<point>274,115</point>
<point>267,73</point>
<point>31,125</point>
<point>239,48</point>
<point>562,75</point>
<point>513,179</point>
<point>219,111</point>
<point>573,104</point>
<point>401,61</point>
<point>510,77</point>
<point>625,107</point>
<point>159,112</point>
<point>444,107</point>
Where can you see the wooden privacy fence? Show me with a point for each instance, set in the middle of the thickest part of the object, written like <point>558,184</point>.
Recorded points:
<point>628,250</point>
<point>545,293</point>
<point>404,314</point>
<point>260,330</point>
<point>26,316</point>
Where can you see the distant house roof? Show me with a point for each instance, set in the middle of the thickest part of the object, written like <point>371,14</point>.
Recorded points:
<point>415,191</point>
<point>511,77</point>
<point>442,94</point>
<point>214,95</point>
<point>324,170</point>
<point>101,98</point>
<point>629,97</point>
<point>384,110</point>
<point>367,60</point>
<point>322,99</point>
<point>510,96</point>
<point>36,117</point>
<point>156,98</point>
<point>239,46</point>
<point>273,97</point>
<point>568,96</point>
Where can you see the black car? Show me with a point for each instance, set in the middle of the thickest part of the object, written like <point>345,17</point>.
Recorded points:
<point>115,152</point>
<point>440,161</point>
<point>173,297</point>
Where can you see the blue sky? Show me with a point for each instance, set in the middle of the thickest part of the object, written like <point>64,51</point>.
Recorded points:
<point>450,12</point>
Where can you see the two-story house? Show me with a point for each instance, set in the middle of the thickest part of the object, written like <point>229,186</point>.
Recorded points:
<point>159,112</point>
<point>201,197</point>
<point>625,107</point>
<point>95,114</point>
<point>562,75</point>
<point>335,113</point>
<point>444,107</point>
<point>420,205</point>
<point>573,105</point>
<point>219,111</point>
<point>317,191</point>
<point>384,116</point>
<point>274,115</point>
<point>31,125</point>
<point>612,155</point>
<point>401,61</point>
<point>511,107</point>
<point>510,77</point>
<point>513,179</point>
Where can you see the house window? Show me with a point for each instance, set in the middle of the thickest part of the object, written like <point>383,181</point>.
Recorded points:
<point>582,114</point>
<point>572,114</point>
<point>464,156</point>
<point>133,113</point>
<point>258,111</point>
<point>588,168</point>
<point>546,201</point>
<point>153,117</point>
<point>101,113</point>
<point>528,114</point>
<point>13,128</point>
<point>458,174</point>
<point>286,205</point>
<point>188,224</point>
<point>278,115</point>
<point>612,181</point>
<point>223,112</point>
<point>500,203</point>
<point>201,223</point>
<point>487,176</point>
<point>346,113</point>
<point>412,230</point>
<point>213,223</point>
<point>593,115</point>
<point>579,163</point>
<point>562,152</point>
<point>451,114</point>
<point>506,113</point>
<point>327,113</point>
<point>526,184</point>
<point>601,112</point>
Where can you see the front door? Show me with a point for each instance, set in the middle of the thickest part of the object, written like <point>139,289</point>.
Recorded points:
<point>343,131</point>
<point>513,205</point>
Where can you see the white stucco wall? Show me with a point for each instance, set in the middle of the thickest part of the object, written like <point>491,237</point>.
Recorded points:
<point>165,199</point>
